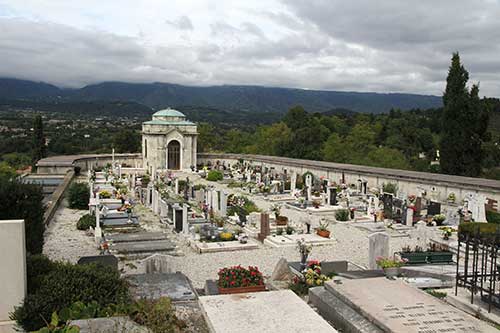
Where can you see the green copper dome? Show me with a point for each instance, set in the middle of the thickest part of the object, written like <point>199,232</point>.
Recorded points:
<point>169,113</point>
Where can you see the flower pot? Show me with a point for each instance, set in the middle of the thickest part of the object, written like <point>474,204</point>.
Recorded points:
<point>281,220</point>
<point>241,290</point>
<point>414,258</point>
<point>391,271</point>
<point>440,257</point>
<point>323,233</point>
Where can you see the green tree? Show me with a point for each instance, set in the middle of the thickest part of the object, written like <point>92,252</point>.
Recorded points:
<point>463,113</point>
<point>39,150</point>
<point>24,201</point>
<point>127,141</point>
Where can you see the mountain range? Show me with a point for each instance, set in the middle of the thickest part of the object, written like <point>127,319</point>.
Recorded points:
<point>231,98</point>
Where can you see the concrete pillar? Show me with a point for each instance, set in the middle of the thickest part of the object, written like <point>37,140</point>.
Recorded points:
<point>378,247</point>
<point>12,268</point>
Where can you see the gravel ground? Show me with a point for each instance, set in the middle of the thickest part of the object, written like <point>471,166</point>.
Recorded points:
<point>63,241</point>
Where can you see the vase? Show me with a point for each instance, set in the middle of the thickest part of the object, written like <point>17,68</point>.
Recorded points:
<point>323,233</point>
<point>303,261</point>
<point>391,272</point>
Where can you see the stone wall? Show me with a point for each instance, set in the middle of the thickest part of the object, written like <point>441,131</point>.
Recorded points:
<point>411,182</point>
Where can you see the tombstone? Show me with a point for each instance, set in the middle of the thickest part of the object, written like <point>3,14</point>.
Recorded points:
<point>332,196</point>
<point>309,186</point>
<point>264,227</point>
<point>418,206</point>
<point>177,214</point>
<point>215,201</point>
<point>223,203</point>
<point>185,225</point>
<point>433,208</point>
<point>258,177</point>
<point>176,189</point>
<point>364,187</point>
<point>163,208</point>
<point>378,247</point>
<point>491,205</point>
<point>293,181</point>
<point>208,197</point>
<point>12,267</point>
<point>97,230</point>
<point>422,234</point>
<point>249,176</point>
<point>282,271</point>
<point>409,217</point>
<point>157,264</point>
<point>105,260</point>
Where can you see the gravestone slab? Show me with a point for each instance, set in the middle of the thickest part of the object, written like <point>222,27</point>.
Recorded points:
<point>105,260</point>
<point>136,237</point>
<point>144,246</point>
<point>394,306</point>
<point>175,286</point>
<point>274,311</point>
<point>282,272</point>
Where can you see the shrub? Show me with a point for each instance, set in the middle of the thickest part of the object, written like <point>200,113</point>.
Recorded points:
<point>62,285</point>
<point>492,217</point>
<point>214,175</point>
<point>78,196</point>
<point>390,188</point>
<point>237,276</point>
<point>158,316</point>
<point>24,201</point>
<point>342,215</point>
<point>85,222</point>
<point>104,194</point>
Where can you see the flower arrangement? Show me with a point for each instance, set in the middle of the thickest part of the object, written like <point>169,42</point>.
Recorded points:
<point>439,218</point>
<point>452,197</point>
<point>276,209</point>
<point>383,262</point>
<point>412,198</point>
<point>238,276</point>
<point>226,236</point>
<point>311,277</point>
<point>104,194</point>
<point>240,205</point>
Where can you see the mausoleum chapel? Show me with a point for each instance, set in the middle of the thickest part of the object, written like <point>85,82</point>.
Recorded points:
<point>169,142</point>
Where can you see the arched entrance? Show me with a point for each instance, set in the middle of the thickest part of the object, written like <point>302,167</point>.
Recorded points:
<point>174,155</point>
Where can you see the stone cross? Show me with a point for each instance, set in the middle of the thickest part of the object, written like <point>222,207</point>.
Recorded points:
<point>378,247</point>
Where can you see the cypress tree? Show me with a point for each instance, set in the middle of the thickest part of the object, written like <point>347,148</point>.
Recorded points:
<point>463,124</point>
<point>39,150</point>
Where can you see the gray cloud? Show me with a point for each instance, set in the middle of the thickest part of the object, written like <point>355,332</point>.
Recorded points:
<point>182,23</point>
<point>383,46</point>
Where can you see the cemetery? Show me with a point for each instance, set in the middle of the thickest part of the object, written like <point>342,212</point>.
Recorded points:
<point>319,249</point>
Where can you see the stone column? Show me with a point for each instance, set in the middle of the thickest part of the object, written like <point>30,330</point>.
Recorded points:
<point>12,267</point>
<point>378,247</point>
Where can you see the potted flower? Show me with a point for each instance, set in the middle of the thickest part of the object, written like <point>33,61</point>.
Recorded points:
<point>390,266</point>
<point>322,230</point>
<point>447,231</point>
<point>304,250</point>
<point>416,256</point>
<point>439,218</point>
<point>237,279</point>
<point>316,203</point>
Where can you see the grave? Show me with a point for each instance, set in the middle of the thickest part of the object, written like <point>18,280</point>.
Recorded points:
<point>208,247</point>
<point>291,240</point>
<point>143,247</point>
<point>274,311</point>
<point>175,286</point>
<point>105,260</point>
<point>136,237</point>
<point>393,306</point>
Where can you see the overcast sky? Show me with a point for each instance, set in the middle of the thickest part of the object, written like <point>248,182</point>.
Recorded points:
<point>355,45</point>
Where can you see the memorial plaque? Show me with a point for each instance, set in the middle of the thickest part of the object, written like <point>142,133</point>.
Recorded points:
<point>394,306</point>
<point>434,208</point>
<point>333,196</point>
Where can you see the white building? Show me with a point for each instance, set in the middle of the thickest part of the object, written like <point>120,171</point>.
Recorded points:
<point>169,142</point>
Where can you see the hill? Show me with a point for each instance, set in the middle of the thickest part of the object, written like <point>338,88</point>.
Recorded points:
<point>226,97</point>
